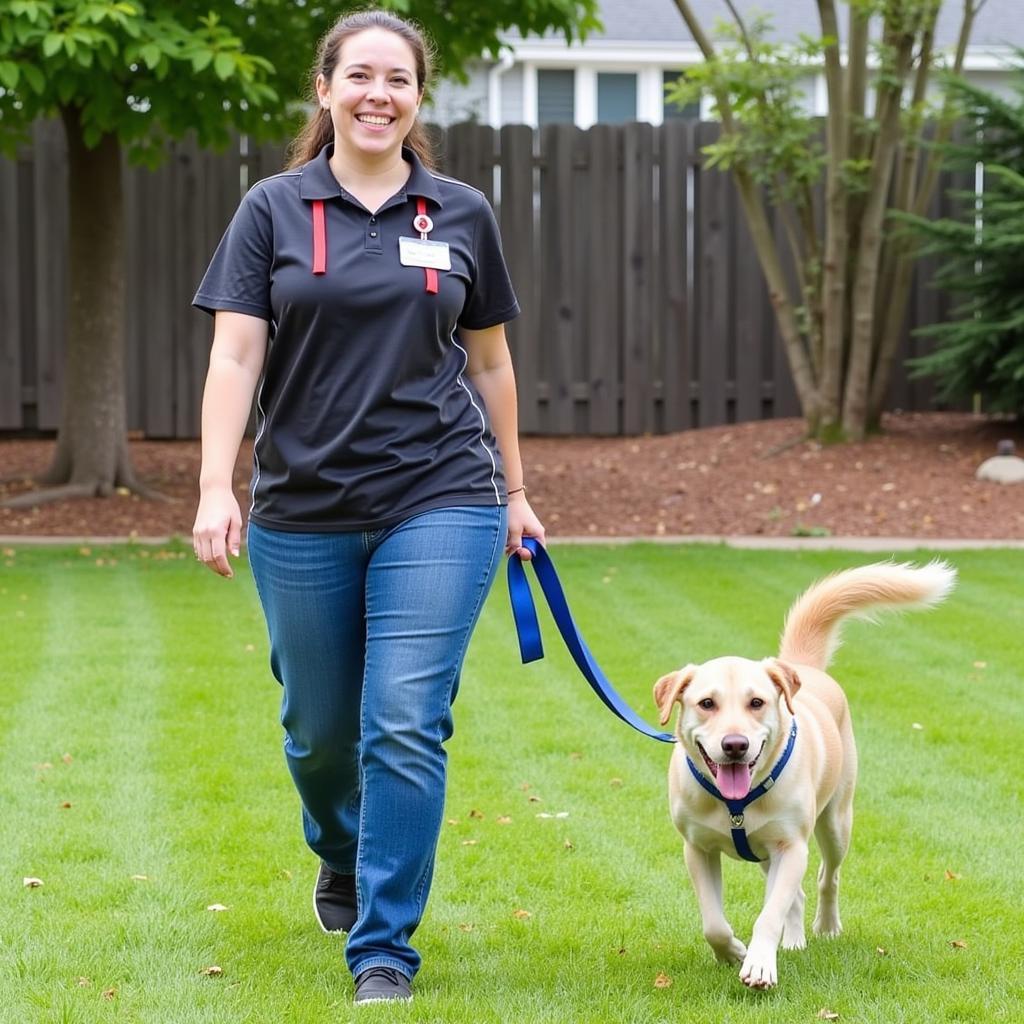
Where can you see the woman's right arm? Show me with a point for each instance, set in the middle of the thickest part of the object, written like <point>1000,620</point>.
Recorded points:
<point>236,362</point>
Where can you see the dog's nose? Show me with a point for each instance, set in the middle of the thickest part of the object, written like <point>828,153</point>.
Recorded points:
<point>735,746</point>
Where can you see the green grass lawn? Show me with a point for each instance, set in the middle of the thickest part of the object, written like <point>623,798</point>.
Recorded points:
<point>143,781</point>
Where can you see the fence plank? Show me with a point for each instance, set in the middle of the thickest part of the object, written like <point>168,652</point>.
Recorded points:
<point>673,309</point>
<point>557,307</point>
<point>10,300</point>
<point>603,291</point>
<point>517,218</point>
<point>50,213</point>
<point>638,277</point>
<point>713,270</point>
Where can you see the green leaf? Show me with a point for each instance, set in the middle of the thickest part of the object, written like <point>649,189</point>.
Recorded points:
<point>52,43</point>
<point>150,54</point>
<point>8,74</point>
<point>35,78</point>
<point>201,60</point>
<point>224,65</point>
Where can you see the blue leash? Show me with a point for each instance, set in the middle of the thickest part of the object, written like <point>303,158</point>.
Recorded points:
<point>528,628</point>
<point>531,649</point>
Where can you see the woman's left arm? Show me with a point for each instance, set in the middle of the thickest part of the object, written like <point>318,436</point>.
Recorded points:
<point>490,370</point>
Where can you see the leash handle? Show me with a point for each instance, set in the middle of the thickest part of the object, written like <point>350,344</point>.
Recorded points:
<point>531,648</point>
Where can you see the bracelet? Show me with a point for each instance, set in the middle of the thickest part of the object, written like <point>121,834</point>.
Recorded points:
<point>516,490</point>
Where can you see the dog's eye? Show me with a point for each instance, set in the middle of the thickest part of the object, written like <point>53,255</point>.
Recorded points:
<point>707,704</point>
<point>757,703</point>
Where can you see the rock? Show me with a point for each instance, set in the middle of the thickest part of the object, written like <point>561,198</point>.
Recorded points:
<point>1003,468</point>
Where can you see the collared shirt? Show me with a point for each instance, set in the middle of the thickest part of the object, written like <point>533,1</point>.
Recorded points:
<point>365,415</point>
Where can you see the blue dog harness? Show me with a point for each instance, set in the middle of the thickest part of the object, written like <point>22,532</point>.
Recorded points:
<point>737,807</point>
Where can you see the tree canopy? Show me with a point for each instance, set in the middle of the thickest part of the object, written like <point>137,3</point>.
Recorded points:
<point>145,70</point>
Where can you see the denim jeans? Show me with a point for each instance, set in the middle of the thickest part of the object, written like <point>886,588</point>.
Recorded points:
<point>368,632</point>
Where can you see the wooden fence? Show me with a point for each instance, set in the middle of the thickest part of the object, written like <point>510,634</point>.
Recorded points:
<point>644,309</point>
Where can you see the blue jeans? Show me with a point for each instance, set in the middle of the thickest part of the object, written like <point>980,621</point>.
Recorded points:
<point>368,632</point>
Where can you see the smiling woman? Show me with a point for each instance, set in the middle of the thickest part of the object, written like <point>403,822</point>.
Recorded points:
<point>367,297</point>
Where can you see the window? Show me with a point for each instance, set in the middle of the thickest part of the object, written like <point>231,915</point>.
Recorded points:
<point>556,97</point>
<point>616,97</point>
<point>672,111</point>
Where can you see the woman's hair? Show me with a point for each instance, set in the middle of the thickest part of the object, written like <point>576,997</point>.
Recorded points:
<point>319,129</point>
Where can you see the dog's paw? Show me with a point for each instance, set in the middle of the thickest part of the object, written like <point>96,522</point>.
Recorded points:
<point>759,969</point>
<point>731,952</point>
<point>827,925</point>
<point>794,940</point>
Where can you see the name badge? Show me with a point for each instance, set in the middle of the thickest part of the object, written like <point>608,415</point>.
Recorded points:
<point>419,252</point>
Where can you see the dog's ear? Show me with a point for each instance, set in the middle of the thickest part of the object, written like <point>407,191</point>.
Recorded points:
<point>668,689</point>
<point>784,676</point>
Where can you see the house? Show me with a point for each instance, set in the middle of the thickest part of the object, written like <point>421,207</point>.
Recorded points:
<point>620,74</point>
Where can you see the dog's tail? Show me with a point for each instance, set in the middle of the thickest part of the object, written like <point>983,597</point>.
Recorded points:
<point>811,633</point>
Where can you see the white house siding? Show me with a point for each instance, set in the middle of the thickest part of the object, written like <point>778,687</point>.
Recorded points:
<point>452,102</point>
<point>648,37</point>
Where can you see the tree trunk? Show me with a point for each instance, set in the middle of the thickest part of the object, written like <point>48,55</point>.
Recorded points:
<point>92,456</point>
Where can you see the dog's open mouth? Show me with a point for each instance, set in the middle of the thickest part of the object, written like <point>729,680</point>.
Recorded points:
<point>732,777</point>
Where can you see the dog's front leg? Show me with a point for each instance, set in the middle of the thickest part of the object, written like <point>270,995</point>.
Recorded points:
<point>785,878</point>
<point>706,874</point>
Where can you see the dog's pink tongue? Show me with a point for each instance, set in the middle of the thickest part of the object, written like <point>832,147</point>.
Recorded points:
<point>733,781</point>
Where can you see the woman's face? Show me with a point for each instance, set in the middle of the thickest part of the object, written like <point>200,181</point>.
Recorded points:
<point>373,94</point>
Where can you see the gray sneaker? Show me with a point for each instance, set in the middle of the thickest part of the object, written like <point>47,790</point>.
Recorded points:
<point>382,985</point>
<point>334,900</point>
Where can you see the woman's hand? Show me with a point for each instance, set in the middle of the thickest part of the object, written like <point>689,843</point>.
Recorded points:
<point>522,522</point>
<point>218,529</point>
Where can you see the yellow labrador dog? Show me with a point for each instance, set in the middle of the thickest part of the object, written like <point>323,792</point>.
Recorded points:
<point>766,755</point>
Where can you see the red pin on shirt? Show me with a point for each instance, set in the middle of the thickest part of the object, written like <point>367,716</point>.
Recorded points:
<point>423,224</point>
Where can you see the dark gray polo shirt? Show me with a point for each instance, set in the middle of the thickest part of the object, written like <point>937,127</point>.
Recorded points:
<point>365,416</point>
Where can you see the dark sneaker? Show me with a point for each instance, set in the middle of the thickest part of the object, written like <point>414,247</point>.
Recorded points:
<point>382,985</point>
<point>334,900</point>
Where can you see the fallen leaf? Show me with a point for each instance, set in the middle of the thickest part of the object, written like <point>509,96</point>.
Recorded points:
<point>216,907</point>
<point>557,814</point>
<point>824,1014</point>
<point>615,783</point>
<point>662,981</point>
<point>286,874</point>
<point>466,927</point>
<point>568,845</point>
<point>981,664</point>
<point>524,786</point>
<point>109,994</point>
<point>522,915</point>
<point>952,876</point>
<point>140,878</point>
<point>534,800</point>
<point>453,821</point>
<point>32,883</point>
<point>83,982</point>
<point>44,766</point>
<point>504,820</point>
<point>212,971</point>
<point>916,725</point>
<point>476,814</point>
<point>882,952</point>
<point>65,805</point>
<point>958,944</point>
<point>621,950</point>
<point>470,842</point>
<point>67,758</point>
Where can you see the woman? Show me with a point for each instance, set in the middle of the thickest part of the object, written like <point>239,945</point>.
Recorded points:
<point>371,295</point>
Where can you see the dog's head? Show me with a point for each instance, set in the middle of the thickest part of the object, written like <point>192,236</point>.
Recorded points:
<point>731,715</point>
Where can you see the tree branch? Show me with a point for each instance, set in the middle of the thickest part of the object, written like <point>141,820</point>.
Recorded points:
<point>706,47</point>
